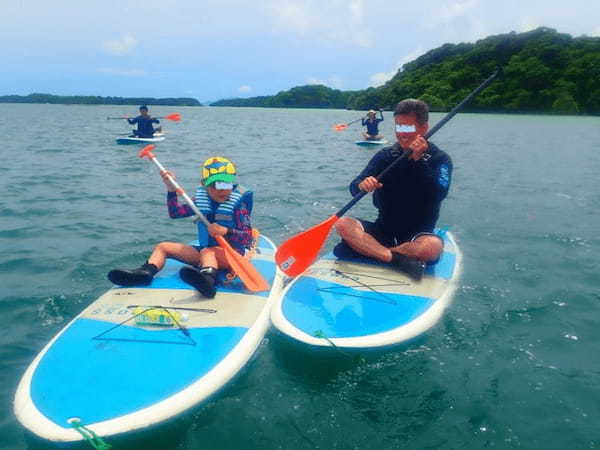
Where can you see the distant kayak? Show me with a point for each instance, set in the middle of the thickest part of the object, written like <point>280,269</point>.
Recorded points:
<point>368,143</point>
<point>129,140</point>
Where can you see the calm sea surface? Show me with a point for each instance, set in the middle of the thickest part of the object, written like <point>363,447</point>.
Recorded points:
<point>513,364</point>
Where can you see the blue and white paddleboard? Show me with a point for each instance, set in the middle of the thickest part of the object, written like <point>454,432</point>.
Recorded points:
<point>365,304</point>
<point>130,140</point>
<point>116,370</point>
<point>372,143</point>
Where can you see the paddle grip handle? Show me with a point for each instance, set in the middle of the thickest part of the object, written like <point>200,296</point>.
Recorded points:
<point>181,192</point>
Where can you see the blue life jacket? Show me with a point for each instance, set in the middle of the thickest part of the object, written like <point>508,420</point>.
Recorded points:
<point>221,213</point>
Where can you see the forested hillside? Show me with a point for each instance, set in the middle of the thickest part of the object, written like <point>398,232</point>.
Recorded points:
<point>543,71</point>
<point>95,100</point>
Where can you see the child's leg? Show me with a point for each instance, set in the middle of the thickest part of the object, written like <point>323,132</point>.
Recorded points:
<point>204,278</point>
<point>175,250</point>
<point>144,274</point>
<point>213,257</point>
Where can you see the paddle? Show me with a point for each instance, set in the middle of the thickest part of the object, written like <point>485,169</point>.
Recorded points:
<point>242,267</point>
<point>343,126</point>
<point>296,254</point>
<point>175,117</point>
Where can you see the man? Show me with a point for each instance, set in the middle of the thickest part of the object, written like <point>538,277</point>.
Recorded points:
<point>408,198</point>
<point>144,124</point>
<point>372,124</point>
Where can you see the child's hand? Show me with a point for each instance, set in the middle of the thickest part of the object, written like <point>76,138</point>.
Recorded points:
<point>214,229</point>
<point>165,177</point>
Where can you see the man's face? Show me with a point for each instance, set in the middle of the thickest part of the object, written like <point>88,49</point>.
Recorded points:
<point>144,112</point>
<point>407,129</point>
<point>218,195</point>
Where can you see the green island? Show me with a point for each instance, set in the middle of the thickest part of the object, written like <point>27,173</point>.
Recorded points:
<point>96,100</point>
<point>543,71</point>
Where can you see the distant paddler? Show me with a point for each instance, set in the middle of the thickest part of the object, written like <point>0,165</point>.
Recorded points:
<point>372,124</point>
<point>144,124</point>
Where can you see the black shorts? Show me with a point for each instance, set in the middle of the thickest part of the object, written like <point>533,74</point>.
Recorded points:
<point>344,251</point>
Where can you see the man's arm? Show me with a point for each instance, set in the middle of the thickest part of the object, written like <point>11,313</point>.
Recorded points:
<point>436,176</point>
<point>375,166</point>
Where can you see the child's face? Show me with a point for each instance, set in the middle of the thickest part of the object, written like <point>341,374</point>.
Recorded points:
<point>218,195</point>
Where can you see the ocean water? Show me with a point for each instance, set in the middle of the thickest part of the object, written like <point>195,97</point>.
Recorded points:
<point>512,364</point>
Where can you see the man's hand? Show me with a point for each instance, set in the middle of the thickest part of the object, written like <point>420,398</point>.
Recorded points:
<point>369,184</point>
<point>418,147</point>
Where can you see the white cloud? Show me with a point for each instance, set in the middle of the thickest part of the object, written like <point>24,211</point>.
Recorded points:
<point>294,16</point>
<point>356,11</point>
<point>380,78</point>
<point>338,21</point>
<point>122,46</point>
<point>528,24</point>
<point>447,12</point>
<point>333,81</point>
<point>123,72</point>
<point>244,89</point>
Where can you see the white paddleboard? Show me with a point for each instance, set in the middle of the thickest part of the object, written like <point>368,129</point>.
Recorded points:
<point>365,304</point>
<point>158,137</point>
<point>369,143</point>
<point>116,375</point>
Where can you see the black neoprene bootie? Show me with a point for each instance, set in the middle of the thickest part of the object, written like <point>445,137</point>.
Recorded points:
<point>413,267</point>
<point>203,279</point>
<point>142,276</point>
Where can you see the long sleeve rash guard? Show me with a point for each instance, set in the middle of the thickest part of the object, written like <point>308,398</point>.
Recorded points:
<point>240,236</point>
<point>409,201</point>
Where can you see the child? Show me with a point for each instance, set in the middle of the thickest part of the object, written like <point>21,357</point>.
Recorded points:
<point>226,205</point>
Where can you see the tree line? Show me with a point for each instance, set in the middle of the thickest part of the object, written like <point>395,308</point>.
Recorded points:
<point>96,100</point>
<point>542,71</point>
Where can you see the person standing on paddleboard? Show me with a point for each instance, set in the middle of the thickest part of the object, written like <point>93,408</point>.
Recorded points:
<point>226,205</point>
<point>372,124</point>
<point>408,199</point>
<point>144,124</point>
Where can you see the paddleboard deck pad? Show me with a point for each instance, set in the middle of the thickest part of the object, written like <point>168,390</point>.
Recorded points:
<point>368,143</point>
<point>364,304</point>
<point>129,140</point>
<point>140,355</point>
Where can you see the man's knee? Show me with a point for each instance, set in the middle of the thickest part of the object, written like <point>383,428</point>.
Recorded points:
<point>345,226</point>
<point>429,248</point>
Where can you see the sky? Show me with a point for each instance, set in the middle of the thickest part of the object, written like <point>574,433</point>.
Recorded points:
<point>215,49</point>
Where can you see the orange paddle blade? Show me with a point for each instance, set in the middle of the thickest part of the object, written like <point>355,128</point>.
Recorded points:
<point>340,127</point>
<point>175,117</point>
<point>296,254</point>
<point>243,268</point>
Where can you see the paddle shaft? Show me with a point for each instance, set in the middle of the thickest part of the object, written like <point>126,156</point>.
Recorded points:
<point>169,117</point>
<point>354,121</point>
<point>181,192</point>
<point>430,133</point>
